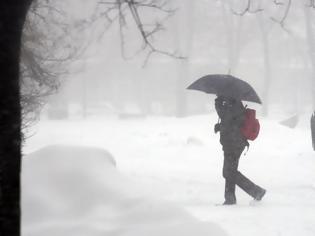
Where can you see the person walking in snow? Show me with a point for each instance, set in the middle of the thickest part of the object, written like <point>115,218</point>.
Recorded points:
<point>231,113</point>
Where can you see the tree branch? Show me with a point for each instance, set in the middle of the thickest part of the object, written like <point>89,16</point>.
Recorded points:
<point>311,4</point>
<point>278,3</point>
<point>147,31</point>
<point>247,10</point>
<point>285,15</point>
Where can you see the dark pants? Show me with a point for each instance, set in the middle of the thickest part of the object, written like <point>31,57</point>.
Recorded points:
<point>234,177</point>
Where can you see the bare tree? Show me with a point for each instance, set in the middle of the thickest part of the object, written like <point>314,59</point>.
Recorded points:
<point>267,65</point>
<point>49,45</point>
<point>313,130</point>
<point>248,9</point>
<point>39,78</point>
<point>310,35</point>
<point>49,48</point>
<point>287,6</point>
<point>12,16</point>
<point>138,10</point>
<point>185,35</point>
<point>233,32</point>
<point>252,7</point>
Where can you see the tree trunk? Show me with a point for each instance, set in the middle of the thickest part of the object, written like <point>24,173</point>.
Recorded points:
<point>185,36</point>
<point>267,66</point>
<point>311,41</point>
<point>12,16</point>
<point>313,130</point>
<point>233,26</point>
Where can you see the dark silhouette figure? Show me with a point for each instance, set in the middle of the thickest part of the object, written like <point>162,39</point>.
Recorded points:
<point>232,114</point>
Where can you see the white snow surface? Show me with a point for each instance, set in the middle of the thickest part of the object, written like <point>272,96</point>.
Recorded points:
<point>76,190</point>
<point>165,179</point>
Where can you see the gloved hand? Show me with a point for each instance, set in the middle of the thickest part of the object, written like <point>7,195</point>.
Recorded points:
<point>216,128</point>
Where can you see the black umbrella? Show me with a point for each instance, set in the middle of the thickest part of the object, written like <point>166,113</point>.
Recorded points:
<point>226,85</point>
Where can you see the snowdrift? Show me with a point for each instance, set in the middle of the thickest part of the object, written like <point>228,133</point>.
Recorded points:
<point>70,190</point>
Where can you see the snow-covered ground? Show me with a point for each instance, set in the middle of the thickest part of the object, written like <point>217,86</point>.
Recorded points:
<point>178,163</point>
<point>71,190</point>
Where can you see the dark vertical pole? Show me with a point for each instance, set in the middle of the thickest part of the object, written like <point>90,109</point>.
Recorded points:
<point>313,129</point>
<point>12,16</point>
<point>267,65</point>
<point>311,39</point>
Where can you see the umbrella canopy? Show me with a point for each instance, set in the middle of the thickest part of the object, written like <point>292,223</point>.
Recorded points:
<point>226,85</point>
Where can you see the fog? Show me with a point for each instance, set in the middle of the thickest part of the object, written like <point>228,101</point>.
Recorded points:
<point>114,77</point>
<point>213,39</point>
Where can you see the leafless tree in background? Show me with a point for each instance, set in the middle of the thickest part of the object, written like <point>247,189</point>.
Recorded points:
<point>184,37</point>
<point>137,13</point>
<point>49,45</point>
<point>282,10</point>
<point>44,57</point>
<point>51,42</point>
<point>309,11</point>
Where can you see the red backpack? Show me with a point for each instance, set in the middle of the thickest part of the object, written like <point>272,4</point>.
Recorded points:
<point>251,126</point>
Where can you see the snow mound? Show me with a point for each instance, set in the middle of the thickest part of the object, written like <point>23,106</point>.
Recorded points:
<point>69,190</point>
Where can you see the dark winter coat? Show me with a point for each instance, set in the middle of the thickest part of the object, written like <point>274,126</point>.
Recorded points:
<point>232,115</point>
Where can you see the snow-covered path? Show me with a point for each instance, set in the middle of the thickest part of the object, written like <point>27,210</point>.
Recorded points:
<point>180,160</point>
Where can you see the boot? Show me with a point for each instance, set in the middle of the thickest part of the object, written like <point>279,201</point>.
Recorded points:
<point>229,202</point>
<point>260,195</point>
